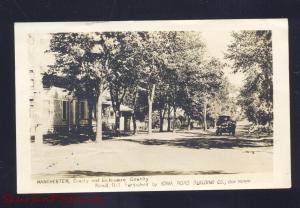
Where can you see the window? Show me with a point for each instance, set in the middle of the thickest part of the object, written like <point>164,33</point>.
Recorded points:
<point>65,110</point>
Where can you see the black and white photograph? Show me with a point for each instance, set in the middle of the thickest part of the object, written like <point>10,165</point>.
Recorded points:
<point>152,105</point>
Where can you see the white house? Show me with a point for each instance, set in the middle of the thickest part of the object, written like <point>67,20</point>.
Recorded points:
<point>57,111</point>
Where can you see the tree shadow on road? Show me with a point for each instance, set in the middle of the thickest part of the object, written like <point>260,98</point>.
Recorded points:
<point>207,143</point>
<point>80,173</point>
<point>65,139</point>
<point>62,140</point>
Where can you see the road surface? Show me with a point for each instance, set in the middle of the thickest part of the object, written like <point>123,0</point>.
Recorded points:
<point>183,152</point>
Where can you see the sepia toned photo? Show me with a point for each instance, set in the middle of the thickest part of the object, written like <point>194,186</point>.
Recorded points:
<point>151,106</point>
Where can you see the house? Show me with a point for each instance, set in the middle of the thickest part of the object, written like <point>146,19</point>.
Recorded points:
<point>59,112</point>
<point>53,109</point>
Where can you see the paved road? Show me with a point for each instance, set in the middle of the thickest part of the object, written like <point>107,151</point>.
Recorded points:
<point>194,152</point>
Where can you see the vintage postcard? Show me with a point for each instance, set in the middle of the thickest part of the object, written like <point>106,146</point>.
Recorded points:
<point>152,105</point>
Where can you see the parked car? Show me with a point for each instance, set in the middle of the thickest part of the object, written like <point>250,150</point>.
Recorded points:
<point>225,125</point>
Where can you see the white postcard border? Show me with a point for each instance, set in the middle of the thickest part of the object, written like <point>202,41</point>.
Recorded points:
<point>281,155</point>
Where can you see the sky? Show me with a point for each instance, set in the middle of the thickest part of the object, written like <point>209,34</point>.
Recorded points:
<point>216,43</point>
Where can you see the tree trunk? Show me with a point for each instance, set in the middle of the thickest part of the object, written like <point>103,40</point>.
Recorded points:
<point>189,123</point>
<point>69,116</point>
<point>174,107</point>
<point>134,124</point>
<point>161,121</point>
<point>150,118</point>
<point>90,118</point>
<point>174,119</point>
<point>204,118</point>
<point>117,120</point>
<point>169,118</point>
<point>99,116</point>
<point>150,102</point>
<point>134,110</point>
<point>77,117</point>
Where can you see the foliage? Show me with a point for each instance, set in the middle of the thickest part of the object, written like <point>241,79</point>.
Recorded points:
<point>251,54</point>
<point>82,64</point>
<point>139,69</point>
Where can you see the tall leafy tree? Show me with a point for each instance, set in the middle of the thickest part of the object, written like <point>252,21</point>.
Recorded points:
<point>82,65</point>
<point>251,54</point>
<point>124,73</point>
<point>211,85</point>
<point>185,59</point>
<point>151,64</point>
<point>224,102</point>
<point>201,80</point>
<point>166,95</point>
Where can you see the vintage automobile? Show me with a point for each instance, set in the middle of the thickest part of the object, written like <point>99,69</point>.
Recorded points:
<point>225,125</point>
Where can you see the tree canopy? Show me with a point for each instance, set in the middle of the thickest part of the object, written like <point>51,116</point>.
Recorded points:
<point>251,54</point>
<point>168,69</point>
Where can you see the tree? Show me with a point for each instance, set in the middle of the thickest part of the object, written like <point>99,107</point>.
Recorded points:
<point>82,63</point>
<point>191,79</point>
<point>223,102</point>
<point>166,95</point>
<point>251,54</point>
<point>124,72</point>
<point>216,90</point>
<point>188,89</point>
<point>207,82</point>
<point>186,57</point>
<point>151,64</point>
